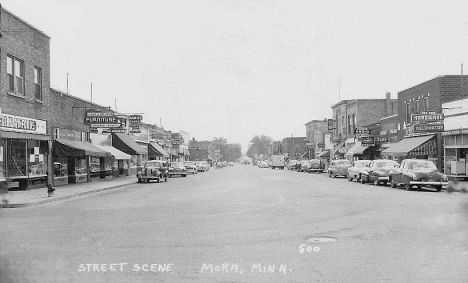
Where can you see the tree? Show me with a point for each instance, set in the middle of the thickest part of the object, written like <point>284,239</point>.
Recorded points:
<point>259,145</point>
<point>224,151</point>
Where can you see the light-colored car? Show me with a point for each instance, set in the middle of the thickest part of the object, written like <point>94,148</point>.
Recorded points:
<point>339,168</point>
<point>202,166</point>
<point>315,165</point>
<point>356,167</point>
<point>304,167</point>
<point>231,164</point>
<point>263,164</point>
<point>177,168</point>
<point>191,167</point>
<point>292,164</point>
<point>417,172</point>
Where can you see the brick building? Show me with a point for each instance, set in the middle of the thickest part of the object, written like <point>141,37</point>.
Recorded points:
<point>349,114</point>
<point>199,150</point>
<point>25,143</point>
<point>293,147</point>
<point>315,136</point>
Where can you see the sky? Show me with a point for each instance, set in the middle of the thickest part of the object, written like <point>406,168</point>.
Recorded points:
<point>236,69</point>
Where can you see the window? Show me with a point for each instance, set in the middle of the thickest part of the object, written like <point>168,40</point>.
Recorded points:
<point>38,83</point>
<point>408,113</point>
<point>354,121</point>
<point>416,106</point>
<point>349,124</point>
<point>15,70</point>
<point>426,103</point>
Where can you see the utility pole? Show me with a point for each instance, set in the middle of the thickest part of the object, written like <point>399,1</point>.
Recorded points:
<point>91,92</point>
<point>292,137</point>
<point>67,83</point>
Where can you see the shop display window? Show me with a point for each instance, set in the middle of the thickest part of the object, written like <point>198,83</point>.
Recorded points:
<point>80,166</point>
<point>94,164</point>
<point>37,158</point>
<point>16,152</point>
<point>60,167</point>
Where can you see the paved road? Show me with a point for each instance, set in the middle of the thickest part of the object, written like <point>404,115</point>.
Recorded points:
<point>242,224</point>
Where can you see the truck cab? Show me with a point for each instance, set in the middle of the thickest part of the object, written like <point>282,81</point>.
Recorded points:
<point>277,161</point>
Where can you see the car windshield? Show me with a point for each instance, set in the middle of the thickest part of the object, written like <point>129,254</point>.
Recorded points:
<point>305,162</point>
<point>361,164</point>
<point>388,164</point>
<point>343,162</point>
<point>422,165</point>
<point>189,163</point>
<point>153,164</point>
<point>177,164</point>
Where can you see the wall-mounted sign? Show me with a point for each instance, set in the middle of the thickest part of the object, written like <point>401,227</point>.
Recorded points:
<point>427,117</point>
<point>393,132</point>
<point>383,133</point>
<point>381,139</point>
<point>135,119</point>
<point>368,141</point>
<point>22,124</point>
<point>455,132</point>
<point>330,124</point>
<point>114,130</point>
<point>362,130</point>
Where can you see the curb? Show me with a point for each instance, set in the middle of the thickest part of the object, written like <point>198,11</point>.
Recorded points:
<point>19,205</point>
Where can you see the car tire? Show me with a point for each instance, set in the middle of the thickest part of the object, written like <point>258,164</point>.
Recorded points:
<point>376,182</point>
<point>393,184</point>
<point>408,187</point>
<point>357,179</point>
<point>329,174</point>
<point>362,180</point>
<point>349,178</point>
<point>185,175</point>
<point>165,179</point>
<point>139,180</point>
<point>158,179</point>
<point>438,188</point>
<point>148,180</point>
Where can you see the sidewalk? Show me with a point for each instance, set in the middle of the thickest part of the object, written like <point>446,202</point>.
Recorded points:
<point>16,199</point>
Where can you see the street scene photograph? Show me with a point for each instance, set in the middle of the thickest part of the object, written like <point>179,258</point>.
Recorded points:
<point>233,141</point>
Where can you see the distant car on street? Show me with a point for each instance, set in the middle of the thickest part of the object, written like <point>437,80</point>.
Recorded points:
<point>191,167</point>
<point>291,165</point>
<point>153,170</point>
<point>263,164</point>
<point>356,167</point>
<point>339,167</point>
<point>417,172</point>
<point>304,166</point>
<point>177,168</point>
<point>315,165</point>
<point>378,171</point>
<point>202,166</point>
<point>231,164</point>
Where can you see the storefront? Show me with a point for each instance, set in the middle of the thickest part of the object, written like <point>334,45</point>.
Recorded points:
<point>77,161</point>
<point>155,151</point>
<point>418,147</point>
<point>116,164</point>
<point>358,152</point>
<point>456,152</point>
<point>24,152</point>
<point>126,144</point>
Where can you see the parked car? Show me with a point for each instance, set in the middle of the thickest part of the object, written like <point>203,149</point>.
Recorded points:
<point>203,166</point>
<point>263,164</point>
<point>304,166</point>
<point>417,172</point>
<point>191,167</point>
<point>339,167</point>
<point>177,168</point>
<point>231,164</point>
<point>356,167</point>
<point>153,170</point>
<point>315,165</point>
<point>378,171</point>
<point>292,164</point>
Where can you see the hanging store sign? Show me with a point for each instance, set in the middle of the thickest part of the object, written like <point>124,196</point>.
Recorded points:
<point>422,128</point>
<point>22,124</point>
<point>330,124</point>
<point>381,139</point>
<point>361,132</point>
<point>93,117</point>
<point>427,117</point>
<point>114,130</point>
<point>368,141</point>
<point>135,119</point>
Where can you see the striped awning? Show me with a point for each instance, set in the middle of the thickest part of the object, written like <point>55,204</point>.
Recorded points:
<point>413,146</point>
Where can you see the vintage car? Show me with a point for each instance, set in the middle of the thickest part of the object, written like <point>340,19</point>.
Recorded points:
<point>315,165</point>
<point>153,170</point>
<point>191,167</point>
<point>303,166</point>
<point>356,167</point>
<point>338,167</point>
<point>377,171</point>
<point>177,168</point>
<point>417,172</point>
<point>263,164</point>
<point>203,166</point>
<point>292,164</point>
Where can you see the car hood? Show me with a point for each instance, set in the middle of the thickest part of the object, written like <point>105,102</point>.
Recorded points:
<point>383,171</point>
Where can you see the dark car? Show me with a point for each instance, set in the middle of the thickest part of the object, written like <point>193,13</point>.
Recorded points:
<point>339,167</point>
<point>153,170</point>
<point>378,171</point>
<point>417,172</point>
<point>356,167</point>
<point>315,165</point>
<point>177,168</point>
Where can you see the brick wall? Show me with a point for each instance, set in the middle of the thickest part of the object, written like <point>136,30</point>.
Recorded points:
<point>33,48</point>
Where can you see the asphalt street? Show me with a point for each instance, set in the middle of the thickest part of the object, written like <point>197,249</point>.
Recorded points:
<point>240,224</point>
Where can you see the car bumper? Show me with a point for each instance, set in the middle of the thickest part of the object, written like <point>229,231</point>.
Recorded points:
<point>384,179</point>
<point>428,183</point>
<point>315,170</point>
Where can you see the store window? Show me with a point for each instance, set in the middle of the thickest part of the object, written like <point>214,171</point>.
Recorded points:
<point>38,83</point>
<point>60,167</point>
<point>408,113</point>
<point>80,166</point>
<point>37,158</point>
<point>426,103</point>
<point>416,106</point>
<point>16,152</point>
<point>15,71</point>
<point>94,165</point>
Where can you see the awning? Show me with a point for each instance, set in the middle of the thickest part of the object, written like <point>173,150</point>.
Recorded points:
<point>156,149</point>
<point>412,146</point>
<point>77,149</point>
<point>114,151</point>
<point>24,136</point>
<point>356,149</point>
<point>326,153</point>
<point>126,144</point>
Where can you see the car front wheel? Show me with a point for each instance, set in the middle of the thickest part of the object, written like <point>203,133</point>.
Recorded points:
<point>438,188</point>
<point>376,182</point>
<point>408,187</point>
<point>362,180</point>
<point>349,178</point>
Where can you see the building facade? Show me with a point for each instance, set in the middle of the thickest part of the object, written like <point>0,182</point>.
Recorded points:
<point>25,133</point>
<point>315,136</point>
<point>293,147</point>
<point>199,150</point>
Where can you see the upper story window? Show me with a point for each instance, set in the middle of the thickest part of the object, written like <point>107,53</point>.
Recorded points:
<point>416,106</point>
<point>426,103</point>
<point>15,71</point>
<point>354,122</point>
<point>38,83</point>
<point>350,124</point>
<point>408,113</point>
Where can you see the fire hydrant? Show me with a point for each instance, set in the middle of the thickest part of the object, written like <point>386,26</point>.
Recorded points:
<point>50,190</point>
